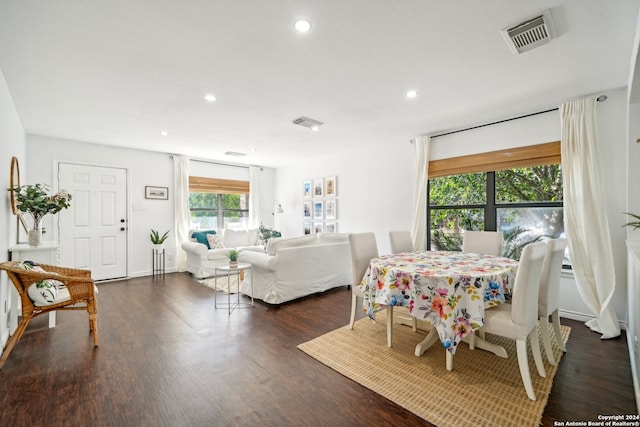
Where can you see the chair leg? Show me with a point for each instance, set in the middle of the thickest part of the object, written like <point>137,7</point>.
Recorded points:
<point>523,362</point>
<point>535,349</point>
<point>354,304</point>
<point>414,324</point>
<point>555,319</point>
<point>92,308</point>
<point>389,325</point>
<point>546,341</point>
<point>22,326</point>
<point>449,360</point>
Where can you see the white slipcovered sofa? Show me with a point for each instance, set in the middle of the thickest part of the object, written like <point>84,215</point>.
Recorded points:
<point>202,261</point>
<point>298,266</point>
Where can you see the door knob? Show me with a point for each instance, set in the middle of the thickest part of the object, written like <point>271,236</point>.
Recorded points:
<point>121,228</point>
<point>122,220</point>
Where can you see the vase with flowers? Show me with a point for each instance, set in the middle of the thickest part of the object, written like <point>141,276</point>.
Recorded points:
<point>38,202</point>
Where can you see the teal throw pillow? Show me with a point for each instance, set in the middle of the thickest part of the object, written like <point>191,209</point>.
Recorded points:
<point>201,236</point>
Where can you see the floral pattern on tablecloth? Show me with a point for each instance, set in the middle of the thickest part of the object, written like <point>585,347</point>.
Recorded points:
<point>449,289</point>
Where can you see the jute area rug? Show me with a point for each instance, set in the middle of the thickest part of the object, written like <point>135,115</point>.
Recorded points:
<point>223,286</point>
<point>482,390</point>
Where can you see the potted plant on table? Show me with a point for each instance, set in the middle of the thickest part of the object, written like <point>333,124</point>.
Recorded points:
<point>157,240</point>
<point>36,201</point>
<point>233,258</point>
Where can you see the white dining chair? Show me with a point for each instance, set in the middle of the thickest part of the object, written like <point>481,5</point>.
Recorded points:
<point>519,319</point>
<point>549,296</point>
<point>482,242</point>
<point>363,249</point>
<point>400,241</point>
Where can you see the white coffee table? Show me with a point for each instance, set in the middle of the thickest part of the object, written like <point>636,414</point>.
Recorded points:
<point>228,272</point>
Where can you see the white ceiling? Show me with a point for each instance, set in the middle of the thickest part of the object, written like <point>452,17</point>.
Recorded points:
<point>118,72</point>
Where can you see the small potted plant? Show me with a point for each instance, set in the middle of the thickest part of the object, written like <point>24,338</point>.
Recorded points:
<point>636,223</point>
<point>157,240</point>
<point>233,258</point>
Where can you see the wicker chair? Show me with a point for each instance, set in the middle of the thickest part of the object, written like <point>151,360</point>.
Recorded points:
<point>81,296</point>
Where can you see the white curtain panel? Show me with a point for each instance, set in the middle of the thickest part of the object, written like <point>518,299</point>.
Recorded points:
<point>585,218</point>
<point>419,225</point>
<point>181,207</point>
<point>254,196</point>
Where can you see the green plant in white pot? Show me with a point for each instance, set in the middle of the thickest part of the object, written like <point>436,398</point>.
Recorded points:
<point>157,240</point>
<point>233,258</point>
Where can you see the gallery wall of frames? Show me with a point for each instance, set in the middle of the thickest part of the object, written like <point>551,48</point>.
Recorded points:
<point>320,205</point>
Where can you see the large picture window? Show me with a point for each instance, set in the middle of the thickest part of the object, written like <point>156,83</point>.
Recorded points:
<point>218,203</point>
<point>524,203</point>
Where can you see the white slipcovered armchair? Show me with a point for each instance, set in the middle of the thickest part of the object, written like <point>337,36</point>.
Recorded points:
<point>202,260</point>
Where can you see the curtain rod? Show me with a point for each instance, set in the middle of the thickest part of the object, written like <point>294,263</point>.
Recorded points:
<point>235,165</point>
<point>601,98</point>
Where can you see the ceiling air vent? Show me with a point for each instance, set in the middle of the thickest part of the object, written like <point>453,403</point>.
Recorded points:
<point>530,34</point>
<point>308,123</point>
<point>235,154</point>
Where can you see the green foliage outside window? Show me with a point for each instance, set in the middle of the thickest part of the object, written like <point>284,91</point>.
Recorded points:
<point>527,207</point>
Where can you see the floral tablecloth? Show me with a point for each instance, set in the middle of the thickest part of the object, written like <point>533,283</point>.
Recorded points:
<point>449,289</point>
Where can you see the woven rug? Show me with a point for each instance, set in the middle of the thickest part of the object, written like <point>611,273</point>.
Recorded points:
<point>223,286</point>
<point>482,390</point>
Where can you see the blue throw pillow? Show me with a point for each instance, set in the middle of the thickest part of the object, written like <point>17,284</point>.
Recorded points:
<point>201,236</point>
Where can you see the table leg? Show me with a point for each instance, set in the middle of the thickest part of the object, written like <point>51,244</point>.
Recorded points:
<point>427,342</point>
<point>480,343</point>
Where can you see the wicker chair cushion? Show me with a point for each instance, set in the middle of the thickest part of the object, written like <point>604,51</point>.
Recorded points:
<point>44,292</point>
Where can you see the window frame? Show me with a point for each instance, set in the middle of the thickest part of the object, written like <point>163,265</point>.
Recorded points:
<point>219,187</point>
<point>489,163</point>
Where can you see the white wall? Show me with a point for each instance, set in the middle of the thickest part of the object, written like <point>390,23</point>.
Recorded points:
<point>144,168</point>
<point>375,186</point>
<point>374,190</point>
<point>12,143</point>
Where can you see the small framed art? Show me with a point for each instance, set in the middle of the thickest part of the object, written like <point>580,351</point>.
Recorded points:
<point>318,187</point>
<point>330,227</point>
<point>307,209</point>
<point>160,193</point>
<point>306,227</point>
<point>330,189</point>
<point>306,188</point>
<point>318,208</point>
<point>317,227</point>
<point>330,209</point>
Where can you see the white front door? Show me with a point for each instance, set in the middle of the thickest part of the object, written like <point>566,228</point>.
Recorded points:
<point>93,234</point>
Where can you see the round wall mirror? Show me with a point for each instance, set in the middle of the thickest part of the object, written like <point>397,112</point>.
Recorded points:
<point>14,181</point>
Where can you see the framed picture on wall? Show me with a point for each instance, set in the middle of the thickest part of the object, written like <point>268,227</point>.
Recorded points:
<point>318,187</point>
<point>306,188</point>
<point>160,193</point>
<point>318,208</point>
<point>306,205</point>
<point>330,227</point>
<point>306,227</point>
<point>330,186</point>
<point>330,209</point>
<point>317,227</point>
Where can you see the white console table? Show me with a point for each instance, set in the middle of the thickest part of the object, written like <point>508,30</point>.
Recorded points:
<point>46,253</point>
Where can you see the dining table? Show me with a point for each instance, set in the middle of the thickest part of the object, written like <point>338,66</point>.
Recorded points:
<point>449,289</point>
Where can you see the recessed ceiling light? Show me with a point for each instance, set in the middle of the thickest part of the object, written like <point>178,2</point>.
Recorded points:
<point>164,133</point>
<point>302,25</point>
<point>412,93</point>
<point>210,97</point>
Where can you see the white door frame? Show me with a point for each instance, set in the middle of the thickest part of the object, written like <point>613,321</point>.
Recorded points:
<point>56,228</point>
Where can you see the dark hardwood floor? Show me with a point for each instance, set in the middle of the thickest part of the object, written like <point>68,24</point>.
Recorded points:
<point>167,358</point>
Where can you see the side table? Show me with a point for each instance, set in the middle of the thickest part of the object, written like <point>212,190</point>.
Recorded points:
<point>157,262</point>
<point>228,272</point>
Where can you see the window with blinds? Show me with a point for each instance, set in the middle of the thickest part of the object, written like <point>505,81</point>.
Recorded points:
<point>218,203</point>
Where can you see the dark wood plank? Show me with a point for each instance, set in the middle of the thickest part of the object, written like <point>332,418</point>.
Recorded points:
<point>167,358</point>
